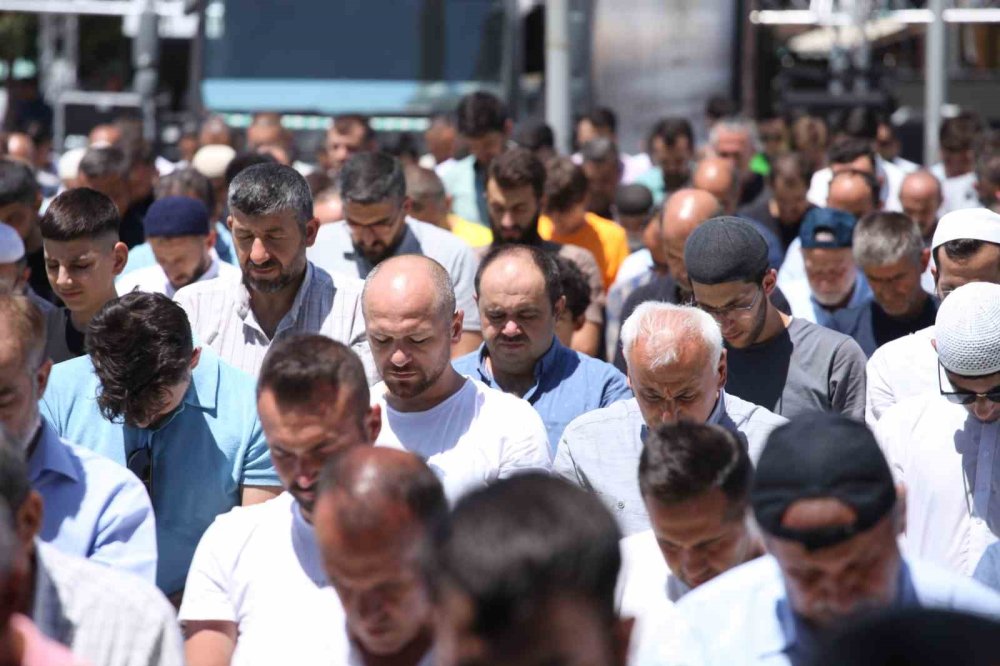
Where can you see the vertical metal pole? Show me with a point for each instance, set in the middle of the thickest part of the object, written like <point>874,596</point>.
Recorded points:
<point>935,72</point>
<point>557,72</point>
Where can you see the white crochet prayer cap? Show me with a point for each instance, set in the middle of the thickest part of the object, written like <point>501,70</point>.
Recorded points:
<point>967,330</point>
<point>211,160</point>
<point>11,245</point>
<point>973,223</point>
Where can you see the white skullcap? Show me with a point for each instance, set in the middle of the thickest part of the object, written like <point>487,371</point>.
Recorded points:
<point>211,160</point>
<point>69,163</point>
<point>973,223</point>
<point>11,245</point>
<point>967,330</point>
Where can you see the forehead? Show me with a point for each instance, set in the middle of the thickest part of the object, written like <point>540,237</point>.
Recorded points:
<point>722,294</point>
<point>512,276</point>
<point>511,195</point>
<point>378,209</point>
<point>692,518</point>
<point>354,132</point>
<point>366,546</point>
<point>984,265</point>
<point>688,367</point>
<point>328,413</point>
<point>732,137</point>
<point>903,265</point>
<point>78,247</point>
<point>172,242</point>
<point>827,255</point>
<point>285,220</point>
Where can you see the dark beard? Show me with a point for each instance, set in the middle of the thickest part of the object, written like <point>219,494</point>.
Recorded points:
<point>389,251</point>
<point>674,182</point>
<point>284,279</point>
<point>528,236</point>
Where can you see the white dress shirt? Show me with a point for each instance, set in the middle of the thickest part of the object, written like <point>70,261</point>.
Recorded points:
<point>950,465</point>
<point>221,317</point>
<point>153,279</point>
<point>900,369</point>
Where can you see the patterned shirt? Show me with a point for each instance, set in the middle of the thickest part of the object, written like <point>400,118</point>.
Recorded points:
<point>103,615</point>
<point>221,317</point>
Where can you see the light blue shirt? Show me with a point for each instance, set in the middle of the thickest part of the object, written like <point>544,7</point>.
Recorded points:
<point>209,448</point>
<point>988,569</point>
<point>141,256</point>
<point>567,384</point>
<point>459,179</point>
<point>759,627</point>
<point>94,507</point>
<point>600,451</point>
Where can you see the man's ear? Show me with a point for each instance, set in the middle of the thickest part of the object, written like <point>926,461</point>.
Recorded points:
<point>212,238</point>
<point>312,228</point>
<point>900,508</point>
<point>42,376</point>
<point>373,423</point>
<point>195,358</point>
<point>558,308</point>
<point>120,253</point>
<point>925,258</point>
<point>723,370</point>
<point>28,518</point>
<point>456,326</point>
<point>770,282</point>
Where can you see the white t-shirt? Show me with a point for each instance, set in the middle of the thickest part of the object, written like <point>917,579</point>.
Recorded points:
<point>474,437</point>
<point>259,567</point>
<point>153,279</point>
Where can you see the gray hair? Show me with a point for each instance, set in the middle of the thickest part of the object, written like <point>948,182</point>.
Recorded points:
<point>665,327</point>
<point>271,188</point>
<point>369,178</point>
<point>883,238</point>
<point>735,124</point>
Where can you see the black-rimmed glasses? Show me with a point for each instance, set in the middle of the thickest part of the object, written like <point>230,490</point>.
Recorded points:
<point>966,397</point>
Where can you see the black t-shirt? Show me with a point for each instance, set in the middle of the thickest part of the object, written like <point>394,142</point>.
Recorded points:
<point>74,338</point>
<point>886,328</point>
<point>38,280</point>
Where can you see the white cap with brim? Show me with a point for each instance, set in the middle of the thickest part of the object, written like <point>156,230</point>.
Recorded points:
<point>211,160</point>
<point>967,330</point>
<point>972,223</point>
<point>11,245</point>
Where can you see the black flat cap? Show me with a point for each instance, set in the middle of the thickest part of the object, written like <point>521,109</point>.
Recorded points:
<point>822,456</point>
<point>725,249</point>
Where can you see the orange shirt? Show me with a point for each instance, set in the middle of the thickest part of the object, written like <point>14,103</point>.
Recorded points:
<point>605,239</point>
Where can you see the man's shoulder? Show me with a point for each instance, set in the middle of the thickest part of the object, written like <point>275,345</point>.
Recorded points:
<point>221,286</point>
<point>745,412</point>
<point>937,587</point>
<point>93,465</point>
<point>905,347</point>
<point>145,278</point>
<point>497,401</point>
<point>334,235</point>
<point>606,229</point>
<point>582,257</point>
<point>467,364</point>
<point>233,529</point>
<point>88,590</point>
<point>612,417</point>
<point>913,409</point>
<point>594,367</point>
<point>72,374</point>
<point>802,331</point>
<point>439,244</point>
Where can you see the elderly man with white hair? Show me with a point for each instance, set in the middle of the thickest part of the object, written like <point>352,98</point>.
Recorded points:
<point>677,370</point>
<point>966,248</point>
<point>944,446</point>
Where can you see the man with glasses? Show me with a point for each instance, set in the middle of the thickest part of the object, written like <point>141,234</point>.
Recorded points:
<point>945,446</point>
<point>182,420</point>
<point>966,248</point>
<point>786,364</point>
<point>378,226</point>
<point>677,368</point>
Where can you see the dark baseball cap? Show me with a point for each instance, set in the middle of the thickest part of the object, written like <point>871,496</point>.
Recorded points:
<point>725,249</point>
<point>817,456</point>
<point>827,228</point>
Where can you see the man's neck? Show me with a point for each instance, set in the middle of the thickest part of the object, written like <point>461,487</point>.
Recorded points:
<point>774,325</point>
<point>410,655</point>
<point>568,226</point>
<point>447,385</point>
<point>81,318</point>
<point>270,308</point>
<point>517,383</point>
<point>916,309</point>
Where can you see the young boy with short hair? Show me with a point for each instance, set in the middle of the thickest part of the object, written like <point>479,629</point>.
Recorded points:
<point>83,254</point>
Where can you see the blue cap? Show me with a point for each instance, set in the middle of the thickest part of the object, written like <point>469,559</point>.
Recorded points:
<point>827,227</point>
<point>176,216</point>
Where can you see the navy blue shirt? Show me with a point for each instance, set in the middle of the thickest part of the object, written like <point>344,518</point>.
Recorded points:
<point>567,384</point>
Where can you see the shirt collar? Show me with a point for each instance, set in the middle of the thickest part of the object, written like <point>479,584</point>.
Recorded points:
<point>719,411</point>
<point>203,392</point>
<point>50,455</point>
<point>548,361</point>
<point>243,301</point>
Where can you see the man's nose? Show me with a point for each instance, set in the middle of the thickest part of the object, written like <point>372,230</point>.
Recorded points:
<point>511,329</point>
<point>258,253</point>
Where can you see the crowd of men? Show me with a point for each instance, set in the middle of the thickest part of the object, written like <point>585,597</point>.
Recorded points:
<point>730,403</point>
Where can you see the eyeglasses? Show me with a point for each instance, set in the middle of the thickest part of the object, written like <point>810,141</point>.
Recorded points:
<point>140,463</point>
<point>731,311</point>
<point>966,397</point>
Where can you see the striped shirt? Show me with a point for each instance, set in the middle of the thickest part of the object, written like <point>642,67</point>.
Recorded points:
<point>221,317</point>
<point>106,616</point>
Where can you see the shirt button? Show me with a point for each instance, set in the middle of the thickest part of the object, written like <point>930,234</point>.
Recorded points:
<point>621,505</point>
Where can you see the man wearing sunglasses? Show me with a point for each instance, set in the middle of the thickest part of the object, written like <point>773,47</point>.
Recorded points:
<point>785,364</point>
<point>945,446</point>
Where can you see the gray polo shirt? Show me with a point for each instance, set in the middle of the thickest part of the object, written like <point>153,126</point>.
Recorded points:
<point>334,252</point>
<point>807,368</point>
<point>600,451</point>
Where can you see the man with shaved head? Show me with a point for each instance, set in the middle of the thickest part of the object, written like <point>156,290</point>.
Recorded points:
<point>720,178</point>
<point>921,198</point>
<point>256,573</point>
<point>469,433</point>
<point>855,192</point>
<point>375,509</point>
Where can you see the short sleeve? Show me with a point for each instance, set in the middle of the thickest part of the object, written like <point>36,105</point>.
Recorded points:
<point>847,380</point>
<point>208,593</point>
<point>258,470</point>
